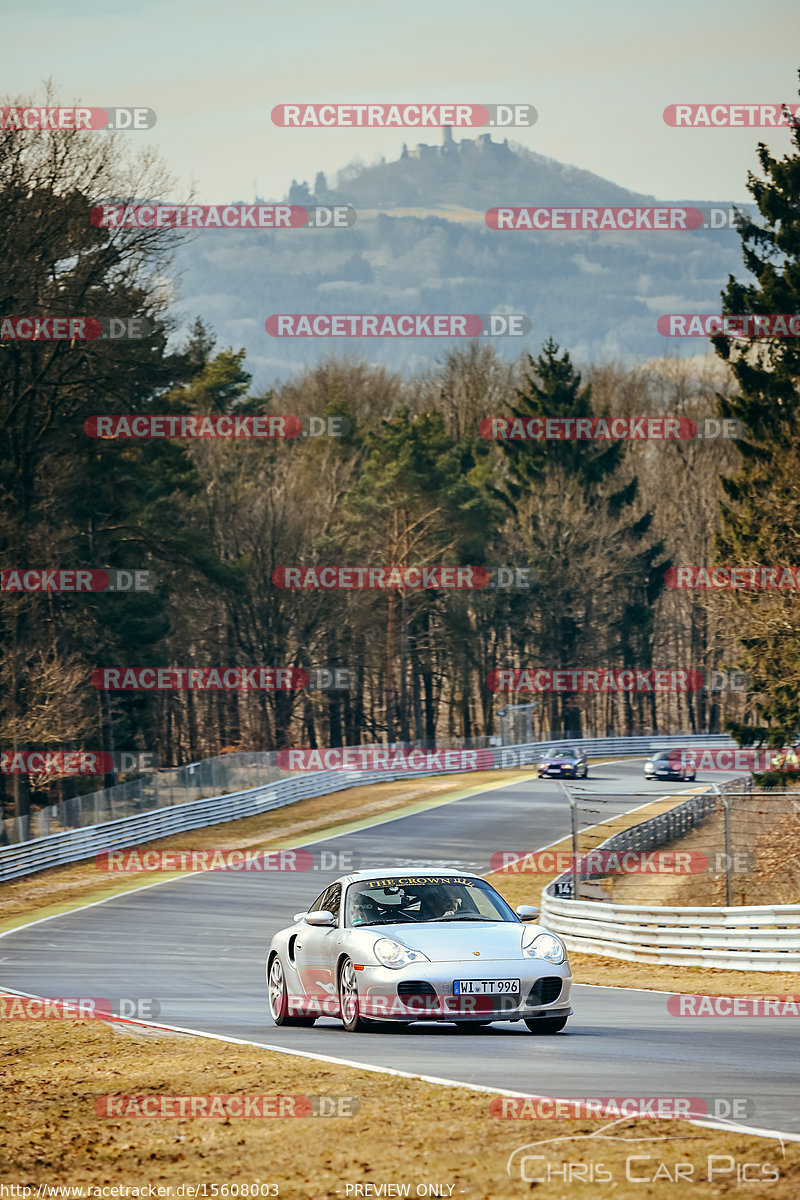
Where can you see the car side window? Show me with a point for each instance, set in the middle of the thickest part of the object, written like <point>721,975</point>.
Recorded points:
<point>318,902</point>
<point>333,899</point>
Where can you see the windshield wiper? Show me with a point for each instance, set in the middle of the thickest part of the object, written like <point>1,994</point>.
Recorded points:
<point>456,917</point>
<point>390,921</point>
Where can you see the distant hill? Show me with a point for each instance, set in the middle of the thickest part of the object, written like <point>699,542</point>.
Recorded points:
<point>421,245</point>
<point>475,174</point>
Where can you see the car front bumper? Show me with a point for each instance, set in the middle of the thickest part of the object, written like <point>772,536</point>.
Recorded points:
<point>392,995</point>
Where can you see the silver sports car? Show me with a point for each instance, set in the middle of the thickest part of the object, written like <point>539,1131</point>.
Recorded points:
<point>416,945</point>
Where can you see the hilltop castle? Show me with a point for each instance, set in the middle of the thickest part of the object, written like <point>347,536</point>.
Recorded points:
<point>449,146</point>
<point>467,152</point>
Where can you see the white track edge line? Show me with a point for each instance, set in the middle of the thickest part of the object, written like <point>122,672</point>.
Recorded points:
<point>376,1070</point>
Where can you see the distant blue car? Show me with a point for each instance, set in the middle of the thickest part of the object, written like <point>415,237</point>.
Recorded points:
<point>570,763</point>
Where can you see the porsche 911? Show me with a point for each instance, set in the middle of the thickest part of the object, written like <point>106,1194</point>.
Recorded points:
<point>419,944</point>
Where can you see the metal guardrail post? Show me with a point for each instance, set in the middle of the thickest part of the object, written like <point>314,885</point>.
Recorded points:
<point>726,808</point>
<point>726,818</point>
<point>573,815</point>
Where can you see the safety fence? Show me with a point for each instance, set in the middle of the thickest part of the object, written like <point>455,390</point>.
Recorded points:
<point>664,829</point>
<point>242,771</point>
<point>763,937</point>
<point>173,802</point>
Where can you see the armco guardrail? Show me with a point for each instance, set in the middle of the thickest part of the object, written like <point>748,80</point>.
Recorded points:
<point>758,937</point>
<point>76,844</point>
<point>751,937</point>
<point>242,771</point>
<point>71,845</point>
<point>617,746</point>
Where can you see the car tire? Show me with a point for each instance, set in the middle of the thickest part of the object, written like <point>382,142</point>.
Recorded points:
<point>277,997</point>
<point>348,1000</point>
<point>546,1025</point>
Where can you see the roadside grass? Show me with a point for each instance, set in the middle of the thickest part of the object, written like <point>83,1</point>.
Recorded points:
<point>406,1131</point>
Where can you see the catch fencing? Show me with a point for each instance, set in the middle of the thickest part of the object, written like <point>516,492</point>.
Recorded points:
<point>749,841</point>
<point>228,787</point>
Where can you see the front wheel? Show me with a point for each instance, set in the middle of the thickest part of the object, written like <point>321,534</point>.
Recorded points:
<point>348,1001</point>
<point>278,999</point>
<point>546,1024</point>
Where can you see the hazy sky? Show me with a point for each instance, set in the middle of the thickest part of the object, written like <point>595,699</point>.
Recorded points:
<point>600,75</point>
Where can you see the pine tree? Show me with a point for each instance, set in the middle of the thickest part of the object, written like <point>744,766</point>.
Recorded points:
<point>760,507</point>
<point>554,390</point>
<point>612,612</point>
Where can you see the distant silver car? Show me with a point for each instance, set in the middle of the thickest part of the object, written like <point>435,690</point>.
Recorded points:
<point>665,764</point>
<point>416,945</point>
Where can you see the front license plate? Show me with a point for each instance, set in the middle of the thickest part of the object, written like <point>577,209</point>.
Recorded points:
<point>485,987</point>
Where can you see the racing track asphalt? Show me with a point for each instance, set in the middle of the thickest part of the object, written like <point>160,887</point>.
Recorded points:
<point>197,945</point>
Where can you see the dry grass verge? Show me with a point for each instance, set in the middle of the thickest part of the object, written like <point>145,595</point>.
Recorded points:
<point>519,886</point>
<point>405,1132</point>
<point>765,827</point>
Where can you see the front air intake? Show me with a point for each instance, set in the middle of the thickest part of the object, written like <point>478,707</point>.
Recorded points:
<point>546,990</point>
<point>415,987</point>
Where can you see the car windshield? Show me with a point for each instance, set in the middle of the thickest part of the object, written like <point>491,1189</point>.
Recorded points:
<point>414,898</point>
<point>661,756</point>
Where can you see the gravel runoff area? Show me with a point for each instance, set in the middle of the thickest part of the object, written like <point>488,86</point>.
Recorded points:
<point>60,1078</point>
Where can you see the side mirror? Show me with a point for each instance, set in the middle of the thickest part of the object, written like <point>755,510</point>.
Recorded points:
<point>527,912</point>
<point>322,917</point>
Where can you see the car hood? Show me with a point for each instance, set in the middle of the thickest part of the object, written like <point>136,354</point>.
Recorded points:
<point>457,941</point>
<point>558,760</point>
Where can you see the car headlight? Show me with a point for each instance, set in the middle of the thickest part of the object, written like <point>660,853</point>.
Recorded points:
<point>648,766</point>
<point>545,945</point>
<point>390,953</point>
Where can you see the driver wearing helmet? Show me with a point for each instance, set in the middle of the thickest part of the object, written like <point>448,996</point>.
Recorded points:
<point>364,910</point>
<point>437,902</point>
